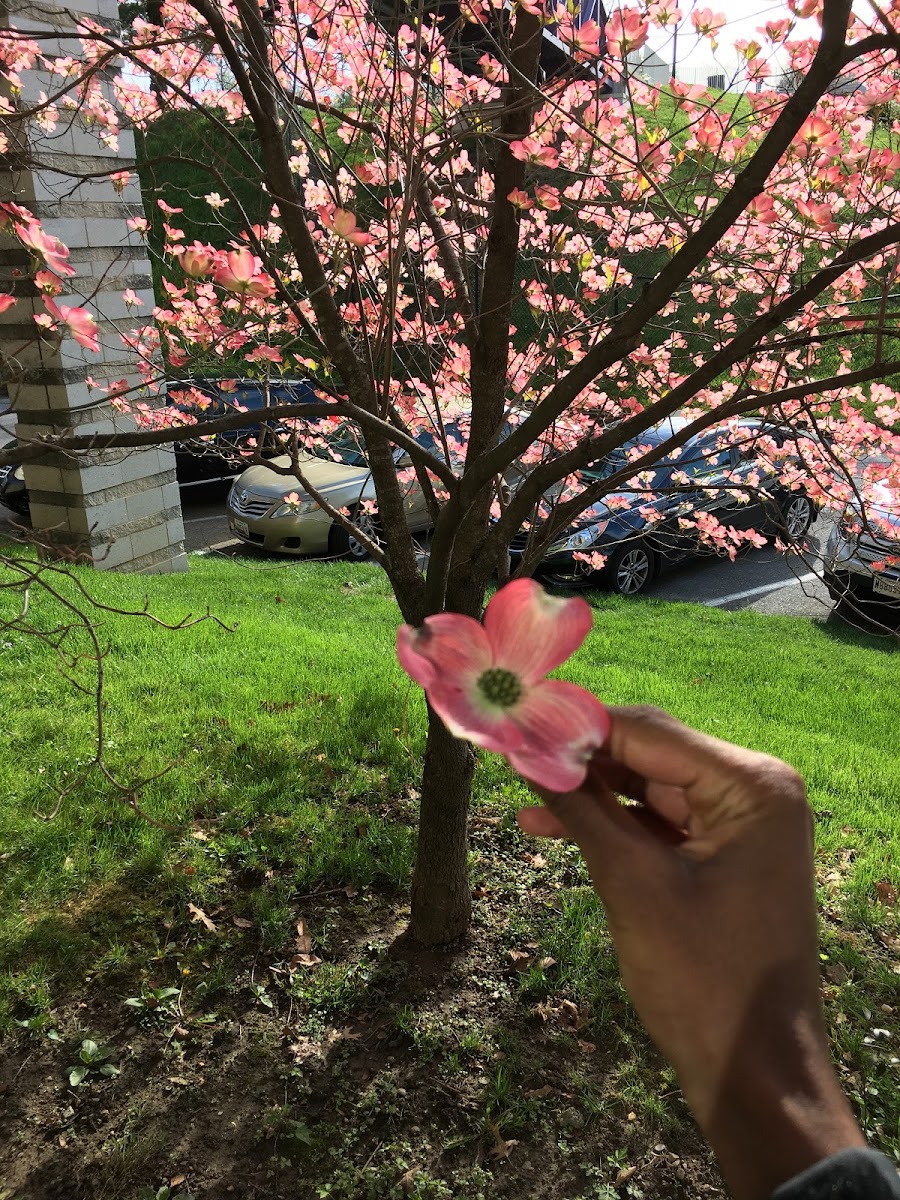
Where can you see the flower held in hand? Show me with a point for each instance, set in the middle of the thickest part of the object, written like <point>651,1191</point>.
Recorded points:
<point>486,681</point>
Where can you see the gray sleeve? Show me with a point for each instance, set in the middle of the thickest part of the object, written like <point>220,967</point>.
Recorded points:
<point>849,1175</point>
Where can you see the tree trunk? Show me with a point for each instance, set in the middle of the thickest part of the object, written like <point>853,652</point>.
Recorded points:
<point>441,896</point>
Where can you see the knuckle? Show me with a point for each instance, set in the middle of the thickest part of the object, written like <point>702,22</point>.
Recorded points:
<point>782,783</point>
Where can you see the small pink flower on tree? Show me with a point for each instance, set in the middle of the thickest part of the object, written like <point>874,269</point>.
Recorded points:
<point>548,197</point>
<point>50,248</point>
<point>6,301</point>
<point>264,354</point>
<point>48,283</point>
<point>819,215</point>
<point>80,323</point>
<point>487,681</point>
<point>196,260</point>
<point>663,13</point>
<point>707,23</point>
<point>626,30</point>
<point>343,223</point>
<point>240,272</point>
<point>530,150</point>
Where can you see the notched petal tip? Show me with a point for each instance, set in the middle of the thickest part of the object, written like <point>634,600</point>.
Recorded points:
<point>531,632</point>
<point>411,643</point>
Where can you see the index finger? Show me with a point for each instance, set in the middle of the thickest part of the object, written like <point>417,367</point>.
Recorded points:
<point>717,779</point>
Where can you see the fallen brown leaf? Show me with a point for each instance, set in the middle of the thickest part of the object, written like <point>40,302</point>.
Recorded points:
<point>304,937</point>
<point>540,1093</point>
<point>408,1180</point>
<point>304,960</point>
<point>197,914</point>
<point>241,923</point>
<point>501,1147</point>
<point>886,892</point>
<point>177,1180</point>
<point>626,1172</point>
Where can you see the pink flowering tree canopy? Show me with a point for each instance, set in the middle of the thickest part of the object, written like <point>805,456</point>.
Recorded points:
<point>506,266</point>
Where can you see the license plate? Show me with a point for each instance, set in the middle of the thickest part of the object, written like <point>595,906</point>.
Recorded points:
<point>240,527</point>
<point>886,587</point>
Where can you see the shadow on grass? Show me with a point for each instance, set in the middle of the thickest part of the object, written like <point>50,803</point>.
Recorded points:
<point>869,625</point>
<point>371,1097</point>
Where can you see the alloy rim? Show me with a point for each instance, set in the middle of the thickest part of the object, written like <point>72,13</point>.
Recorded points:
<point>633,572</point>
<point>366,525</point>
<point>797,517</point>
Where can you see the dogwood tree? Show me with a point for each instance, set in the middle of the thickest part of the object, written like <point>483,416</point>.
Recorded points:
<point>509,264</point>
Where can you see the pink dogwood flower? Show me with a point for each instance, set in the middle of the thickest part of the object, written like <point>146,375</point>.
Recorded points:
<point>343,223</point>
<point>264,354</point>
<point>80,323</point>
<point>486,681</point>
<point>240,272</point>
<point>626,30</point>
<point>530,150</point>
<point>196,260</point>
<point>50,248</point>
<point>6,301</point>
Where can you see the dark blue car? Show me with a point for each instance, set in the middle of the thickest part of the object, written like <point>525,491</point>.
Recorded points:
<point>640,531</point>
<point>201,460</point>
<point>197,460</point>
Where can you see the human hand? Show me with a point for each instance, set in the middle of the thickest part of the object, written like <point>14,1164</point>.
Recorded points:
<point>709,890</point>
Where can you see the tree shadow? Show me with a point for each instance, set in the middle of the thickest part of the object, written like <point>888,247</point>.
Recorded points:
<point>866,624</point>
<point>268,1103</point>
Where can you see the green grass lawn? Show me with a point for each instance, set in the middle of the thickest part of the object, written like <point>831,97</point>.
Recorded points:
<point>294,742</point>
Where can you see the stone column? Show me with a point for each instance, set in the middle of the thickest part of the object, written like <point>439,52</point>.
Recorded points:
<point>119,509</point>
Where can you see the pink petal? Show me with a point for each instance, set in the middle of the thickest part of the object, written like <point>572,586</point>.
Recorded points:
<point>446,656</point>
<point>530,632</point>
<point>562,726</point>
<point>466,715</point>
<point>448,646</point>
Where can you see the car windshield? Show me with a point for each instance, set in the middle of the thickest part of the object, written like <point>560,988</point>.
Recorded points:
<point>430,440</point>
<point>696,461</point>
<point>345,445</point>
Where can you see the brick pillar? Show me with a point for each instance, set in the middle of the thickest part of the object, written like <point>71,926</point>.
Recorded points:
<point>119,508</point>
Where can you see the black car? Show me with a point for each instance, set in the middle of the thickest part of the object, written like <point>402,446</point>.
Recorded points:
<point>223,455</point>
<point>202,459</point>
<point>639,530</point>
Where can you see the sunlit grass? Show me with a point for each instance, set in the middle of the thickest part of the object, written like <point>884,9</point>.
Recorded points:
<point>295,741</point>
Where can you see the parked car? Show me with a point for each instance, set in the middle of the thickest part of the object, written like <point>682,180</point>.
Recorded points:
<point>259,514</point>
<point>12,485</point>
<point>198,460</point>
<point>856,544</point>
<point>640,530</point>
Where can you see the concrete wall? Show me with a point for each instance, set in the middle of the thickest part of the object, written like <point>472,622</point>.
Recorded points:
<point>120,509</point>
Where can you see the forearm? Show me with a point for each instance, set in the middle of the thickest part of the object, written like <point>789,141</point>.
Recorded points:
<point>779,1111</point>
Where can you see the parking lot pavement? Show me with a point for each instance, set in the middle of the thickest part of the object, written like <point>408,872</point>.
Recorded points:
<point>763,580</point>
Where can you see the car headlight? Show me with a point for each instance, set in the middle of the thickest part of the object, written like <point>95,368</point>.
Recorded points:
<point>581,538</point>
<point>295,510</point>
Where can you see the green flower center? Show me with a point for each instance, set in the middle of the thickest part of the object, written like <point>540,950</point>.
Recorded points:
<point>500,687</point>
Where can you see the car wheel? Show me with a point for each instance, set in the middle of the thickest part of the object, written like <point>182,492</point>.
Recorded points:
<point>796,516</point>
<point>630,568</point>
<point>342,543</point>
<point>576,574</point>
